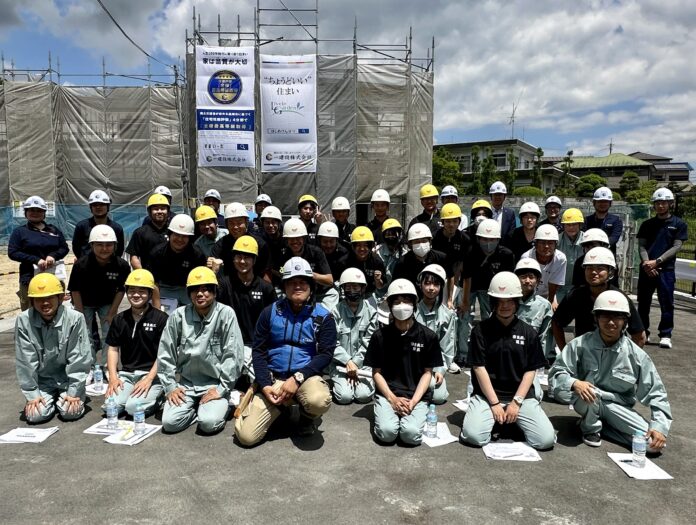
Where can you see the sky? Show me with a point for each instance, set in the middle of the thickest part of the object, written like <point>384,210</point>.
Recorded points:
<point>580,73</point>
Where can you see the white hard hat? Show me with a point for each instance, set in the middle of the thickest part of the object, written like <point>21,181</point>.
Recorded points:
<point>449,191</point>
<point>603,194</point>
<point>35,202</point>
<point>530,207</point>
<point>546,232</point>
<point>340,204</point>
<point>528,265</point>
<point>98,197</point>
<point>182,224</point>
<point>352,275</point>
<point>235,209</point>
<point>271,212</point>
<point>163,190</point>
<point>380,196</point>
<point>297,267</point>
<point>497,187</point>
<point>263,198</point>
<point>435,269</point>
<point>594,235</point>
<point>214,194</point>
<point>505,285</point>
<point>328,229</point>
<point>294,228</point>
<point>102,233</point>
<point>612,301</point>
<point>553,200</point>
<point>488,229</point>
<point>600,256</point>
<point>662,194</point>
<point>419,231</point>
<point>402,287</point>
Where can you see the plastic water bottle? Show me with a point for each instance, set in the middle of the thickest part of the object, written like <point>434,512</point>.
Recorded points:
<point>111,414</point>
<point>431,422</point>
<point>640,445</point>
<point>139,419</point>
<point>98,378</point>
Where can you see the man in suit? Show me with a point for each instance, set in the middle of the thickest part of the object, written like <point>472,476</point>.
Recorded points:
<point>504,216</point>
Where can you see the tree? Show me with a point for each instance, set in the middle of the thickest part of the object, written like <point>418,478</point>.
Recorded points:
<point>489,173</point>
<point>629,182</point>
<point>445,169</point>
<point>511,174</point>
<point>643,193</point>
<point>537,180</point>
<point>587,184</point>
<point>529,191</point>
<point>476,186</point>
<point>567,166</point>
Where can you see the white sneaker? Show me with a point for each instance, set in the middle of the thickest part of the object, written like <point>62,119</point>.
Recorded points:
<point>665,342</point>
<point>454,368</point>
<point>90,377</point>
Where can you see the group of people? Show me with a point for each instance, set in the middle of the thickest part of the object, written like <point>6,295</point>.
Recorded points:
<point>298,313</point>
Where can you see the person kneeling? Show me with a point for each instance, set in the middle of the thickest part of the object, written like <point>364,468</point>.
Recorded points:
<point>504,354</point>
<point>202,344</point>
<point>603,372</point>
<point>53,353</point>
<point>402,355</point>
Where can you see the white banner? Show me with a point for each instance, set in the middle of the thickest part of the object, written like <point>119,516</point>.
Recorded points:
<point>225,106</point>
<point>288,113</point>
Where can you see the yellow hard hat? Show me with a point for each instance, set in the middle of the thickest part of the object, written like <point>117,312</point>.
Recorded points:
<point>572,216</point>
<point>45,285</point>
<point>391,223</point>
<point>362,234</point>
<point>307,198</point>
<point>451,211</point>
<point>201,275</point>
<point>246,244</point>
<point>157,199</point>
<point>141,278</point>
<point>482,203</point>
<point>428,191</point>
<point>204,213</point>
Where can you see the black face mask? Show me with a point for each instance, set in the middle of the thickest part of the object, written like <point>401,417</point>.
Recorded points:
<point>391,241</point>
<point>353,297</point>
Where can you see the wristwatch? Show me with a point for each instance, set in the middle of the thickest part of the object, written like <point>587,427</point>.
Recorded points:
<point>519,400</point>
<point>299,377</point>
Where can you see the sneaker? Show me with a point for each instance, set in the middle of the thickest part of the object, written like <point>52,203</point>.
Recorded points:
<point>454,368</point>
<point>306,426</point>
<point>90,377</point>
<point>593,439</point>
<point>665,342</point>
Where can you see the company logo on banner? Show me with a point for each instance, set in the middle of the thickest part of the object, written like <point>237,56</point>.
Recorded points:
<point>225,106</point>
<point>288,113</point>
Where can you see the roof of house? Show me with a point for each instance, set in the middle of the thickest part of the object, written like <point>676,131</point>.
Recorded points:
<point>648,156</point>
<point>484,143</point>
<point>615,160</point>
<point>674,166</point>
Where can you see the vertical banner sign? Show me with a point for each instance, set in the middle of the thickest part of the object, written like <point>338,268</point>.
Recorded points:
<point>225,106</point>
<point>288,113</point>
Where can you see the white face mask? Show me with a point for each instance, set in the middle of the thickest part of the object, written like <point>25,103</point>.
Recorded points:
<point>479,219</point>
<point>402,311</point>
<point>421,249</point>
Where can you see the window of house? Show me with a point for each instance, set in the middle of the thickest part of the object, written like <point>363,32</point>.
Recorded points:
<point>500,160</point>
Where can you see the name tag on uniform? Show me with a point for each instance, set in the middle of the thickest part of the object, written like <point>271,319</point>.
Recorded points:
<point>416,347</point>
<point>519,339</point>
<point>149,327</point>
<point>256,295</point>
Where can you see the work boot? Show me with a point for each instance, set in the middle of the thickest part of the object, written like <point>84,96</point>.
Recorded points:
<point>306,426</point>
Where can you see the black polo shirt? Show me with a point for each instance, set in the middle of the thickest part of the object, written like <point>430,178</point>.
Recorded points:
<point>507,353</point>
<point>337,261</point>
<point>80,243</point>
<point>431,221</point>
<point>171,268</point>
<point>481,269</point>
<point>98,285</point>
<point>578,304</point>
<point>316,259</point>
<point>344,232</point>
<point>376,229</point>
<point>403,358</point>
<point>660,235</point>
<point>517,243</point>
<point>223,250</point>
<point>369,266</point>
<point>312,230</point>
<point>138,342</point>
<point>456,248</point>
<point>408,267</point>
<point>145,239</point>
<point>247,301</point>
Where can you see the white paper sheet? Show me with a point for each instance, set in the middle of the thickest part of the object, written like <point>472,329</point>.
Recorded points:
<point>235,398</point>
<point>100,428</point>
<point>127,437</point>
<point>649,471</point>
<point>516,451</point>
<point>28,435</point>
<point>444,437</point>
<point>91,390</point>
<point>462,404</point>
<point>361,373</point>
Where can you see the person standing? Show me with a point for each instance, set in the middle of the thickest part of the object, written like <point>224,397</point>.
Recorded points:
<point>450,195</point>
<point>310,215</point>
<point>521,238</point>
<point>552,207</point>
<point>610,223</point>
<point>392,248</point>
<point>430,216</point>
<point>99,205</point>
<point>570,244</point>
<point>504,216</point>
<point>340,209</point>
<point>213,199</point>
<point>551,261</point>
<point>380,202</point>
<point>455,243</point>
<point>209,231</point>
<point>660,238</point>
<point>151,234</point>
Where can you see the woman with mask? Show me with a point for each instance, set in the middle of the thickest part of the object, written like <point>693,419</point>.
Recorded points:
<point>420,256</point>
<point>480,210</point>
<point>402,355</point>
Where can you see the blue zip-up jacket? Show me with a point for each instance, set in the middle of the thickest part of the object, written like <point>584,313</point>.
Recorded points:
<point>28,245</point>
<point>285,342</point>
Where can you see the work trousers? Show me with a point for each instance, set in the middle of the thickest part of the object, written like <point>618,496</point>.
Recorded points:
<point>389,425</point>
<point>664,284</point>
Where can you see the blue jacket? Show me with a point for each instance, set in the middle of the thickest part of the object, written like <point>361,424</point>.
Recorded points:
<point>80,243</point>
<point>285,343</point>
<point>508,222</point>
<point>29,245</point>
<point>612,225</point>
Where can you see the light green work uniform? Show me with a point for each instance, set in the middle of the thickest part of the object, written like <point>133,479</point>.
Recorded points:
<point>205,244</point>
<point>623,373</point>
<point>537,313</point>
<point>442,321</point>
<point>354,330</point>
<point>205,353</point>
<point>52,360</point>
<point>389,257</point>
<point>148,402</point>
<point>572,250</point>
<point>465,320</point>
